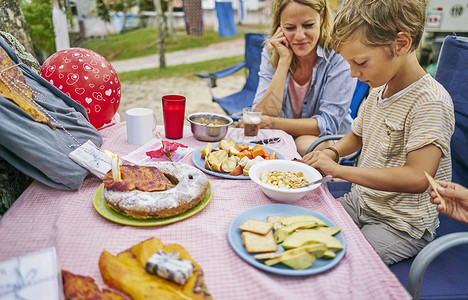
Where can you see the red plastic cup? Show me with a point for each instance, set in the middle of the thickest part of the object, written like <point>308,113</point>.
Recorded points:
<point>174,114</point>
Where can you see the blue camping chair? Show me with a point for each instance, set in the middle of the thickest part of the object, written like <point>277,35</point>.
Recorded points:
<point>360,93</point>
<point>339,188</point>
<point>233,104</point>
<point>440,270</point>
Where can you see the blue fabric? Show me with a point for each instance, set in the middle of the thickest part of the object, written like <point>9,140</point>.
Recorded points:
<point>338,188</point>
<point>223,73</point>
<point>452,73</point>
<point>234,103</point>
<point>360,92</point>
<point>34,148</point>
<point>329,96</point>
<point>225,14</point>
<point>447,275</point>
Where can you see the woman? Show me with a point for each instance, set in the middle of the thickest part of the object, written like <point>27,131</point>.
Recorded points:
<point>305,88</point>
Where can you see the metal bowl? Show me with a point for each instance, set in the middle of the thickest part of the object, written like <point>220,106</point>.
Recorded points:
<point>209,127</point>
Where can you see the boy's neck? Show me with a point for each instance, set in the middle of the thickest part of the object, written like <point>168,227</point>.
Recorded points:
<point>409,71</point>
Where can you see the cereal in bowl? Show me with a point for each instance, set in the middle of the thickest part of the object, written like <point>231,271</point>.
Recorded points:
<point>284,180</point>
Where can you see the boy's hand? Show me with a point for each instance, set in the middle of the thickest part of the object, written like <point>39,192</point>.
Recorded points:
<point>456,199</point>
<point>322,161</point>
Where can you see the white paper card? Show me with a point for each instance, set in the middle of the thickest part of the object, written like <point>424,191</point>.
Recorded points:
<point>34,276</point>
<point>90,157</point>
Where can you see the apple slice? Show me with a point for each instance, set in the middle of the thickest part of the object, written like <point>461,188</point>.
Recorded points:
<point>237,171</point>
<point>228,165</point>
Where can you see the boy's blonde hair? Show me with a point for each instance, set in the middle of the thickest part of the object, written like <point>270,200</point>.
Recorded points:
<point>379,21</point>
<point>325,29</point>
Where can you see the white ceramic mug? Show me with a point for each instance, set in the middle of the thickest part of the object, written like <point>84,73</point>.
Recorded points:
<point>140,125</point>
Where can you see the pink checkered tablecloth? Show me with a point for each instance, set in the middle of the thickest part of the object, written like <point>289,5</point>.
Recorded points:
<point>44,217</point>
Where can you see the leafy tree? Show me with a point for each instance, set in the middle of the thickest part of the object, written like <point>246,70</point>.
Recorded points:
<point>146,5</point>
<point>123,6</point>
<point>38,15</point>
<point>103,11</point>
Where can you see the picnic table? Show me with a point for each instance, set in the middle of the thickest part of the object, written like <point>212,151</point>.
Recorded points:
<point>68,220</point>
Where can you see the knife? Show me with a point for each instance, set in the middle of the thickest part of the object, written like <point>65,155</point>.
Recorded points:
<point>266,141</point>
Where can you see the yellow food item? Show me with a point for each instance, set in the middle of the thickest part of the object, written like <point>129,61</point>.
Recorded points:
<point>206,151</point>
<point>308,236</point>
<point>84,287</point>
<point>245,156</point>
<point>284,180</point>
<point>126,272</point>
<point>304,238</point>
<point>435,185</point>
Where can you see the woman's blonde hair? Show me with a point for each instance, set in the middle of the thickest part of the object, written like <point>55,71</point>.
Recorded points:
<point>325,29</point>
<point>379,21</point>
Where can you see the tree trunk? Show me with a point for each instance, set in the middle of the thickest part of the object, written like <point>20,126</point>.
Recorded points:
<point>161,33</point>
<point>170,18</point>
<point>124,19</point>
<point>59,21</point>
<point>12,21</point>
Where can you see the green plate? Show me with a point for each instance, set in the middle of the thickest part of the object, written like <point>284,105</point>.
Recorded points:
<point>107,212</point>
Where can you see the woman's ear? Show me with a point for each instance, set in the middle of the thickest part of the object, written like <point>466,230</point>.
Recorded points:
<point>403,43</point>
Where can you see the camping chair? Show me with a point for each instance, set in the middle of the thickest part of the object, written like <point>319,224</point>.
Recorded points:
<point>360,93</point>
<point>339,188</point>
<point>440,270</point>
<point>233,104</point>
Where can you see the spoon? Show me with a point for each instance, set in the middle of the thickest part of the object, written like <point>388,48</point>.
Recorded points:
<point>324,179</point>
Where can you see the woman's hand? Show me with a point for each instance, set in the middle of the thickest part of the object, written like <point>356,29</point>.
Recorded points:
<point>456,199</point>
<point>266,122</point>
<point>281,45</point>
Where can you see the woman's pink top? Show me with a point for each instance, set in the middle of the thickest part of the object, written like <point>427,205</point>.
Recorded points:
<point>297,94</point>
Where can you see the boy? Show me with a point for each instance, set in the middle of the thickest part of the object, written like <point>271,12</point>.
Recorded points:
<point>403,128</point>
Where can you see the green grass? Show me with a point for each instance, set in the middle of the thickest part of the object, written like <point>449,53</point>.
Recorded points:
<point>143,41</point>
<point>185,70</point>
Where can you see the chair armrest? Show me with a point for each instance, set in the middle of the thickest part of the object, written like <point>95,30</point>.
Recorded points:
<point>220,74</point>
<point>322,139</point>
<point>427,255</point>
<point>225,72</point>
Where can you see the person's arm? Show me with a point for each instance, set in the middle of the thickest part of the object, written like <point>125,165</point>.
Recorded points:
<point>294,127</point>
<point>348,144</point>
<point>456,200</point>
<point>335,88</point>
<point>271,99</point>
<point>408,178</point>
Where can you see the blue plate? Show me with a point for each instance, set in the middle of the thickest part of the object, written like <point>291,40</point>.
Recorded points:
<point>261,213</point>
<point>199,162</point>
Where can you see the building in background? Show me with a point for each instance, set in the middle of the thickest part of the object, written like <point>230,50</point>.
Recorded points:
<point>445,17</point>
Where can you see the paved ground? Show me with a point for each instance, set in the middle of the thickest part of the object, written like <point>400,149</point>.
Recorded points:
<point>214,51</point>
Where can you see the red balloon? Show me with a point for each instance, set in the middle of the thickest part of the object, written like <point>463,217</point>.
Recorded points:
<point>88,78</point>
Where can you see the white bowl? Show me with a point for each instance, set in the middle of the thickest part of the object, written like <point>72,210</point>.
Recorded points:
<point>282,194</point>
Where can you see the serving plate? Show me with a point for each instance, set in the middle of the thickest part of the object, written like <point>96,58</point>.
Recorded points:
<point>107,212</point>
<point>199,162</point>
<point>261,213</point>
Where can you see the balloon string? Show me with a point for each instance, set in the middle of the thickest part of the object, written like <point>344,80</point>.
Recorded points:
<point>13,81</point>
